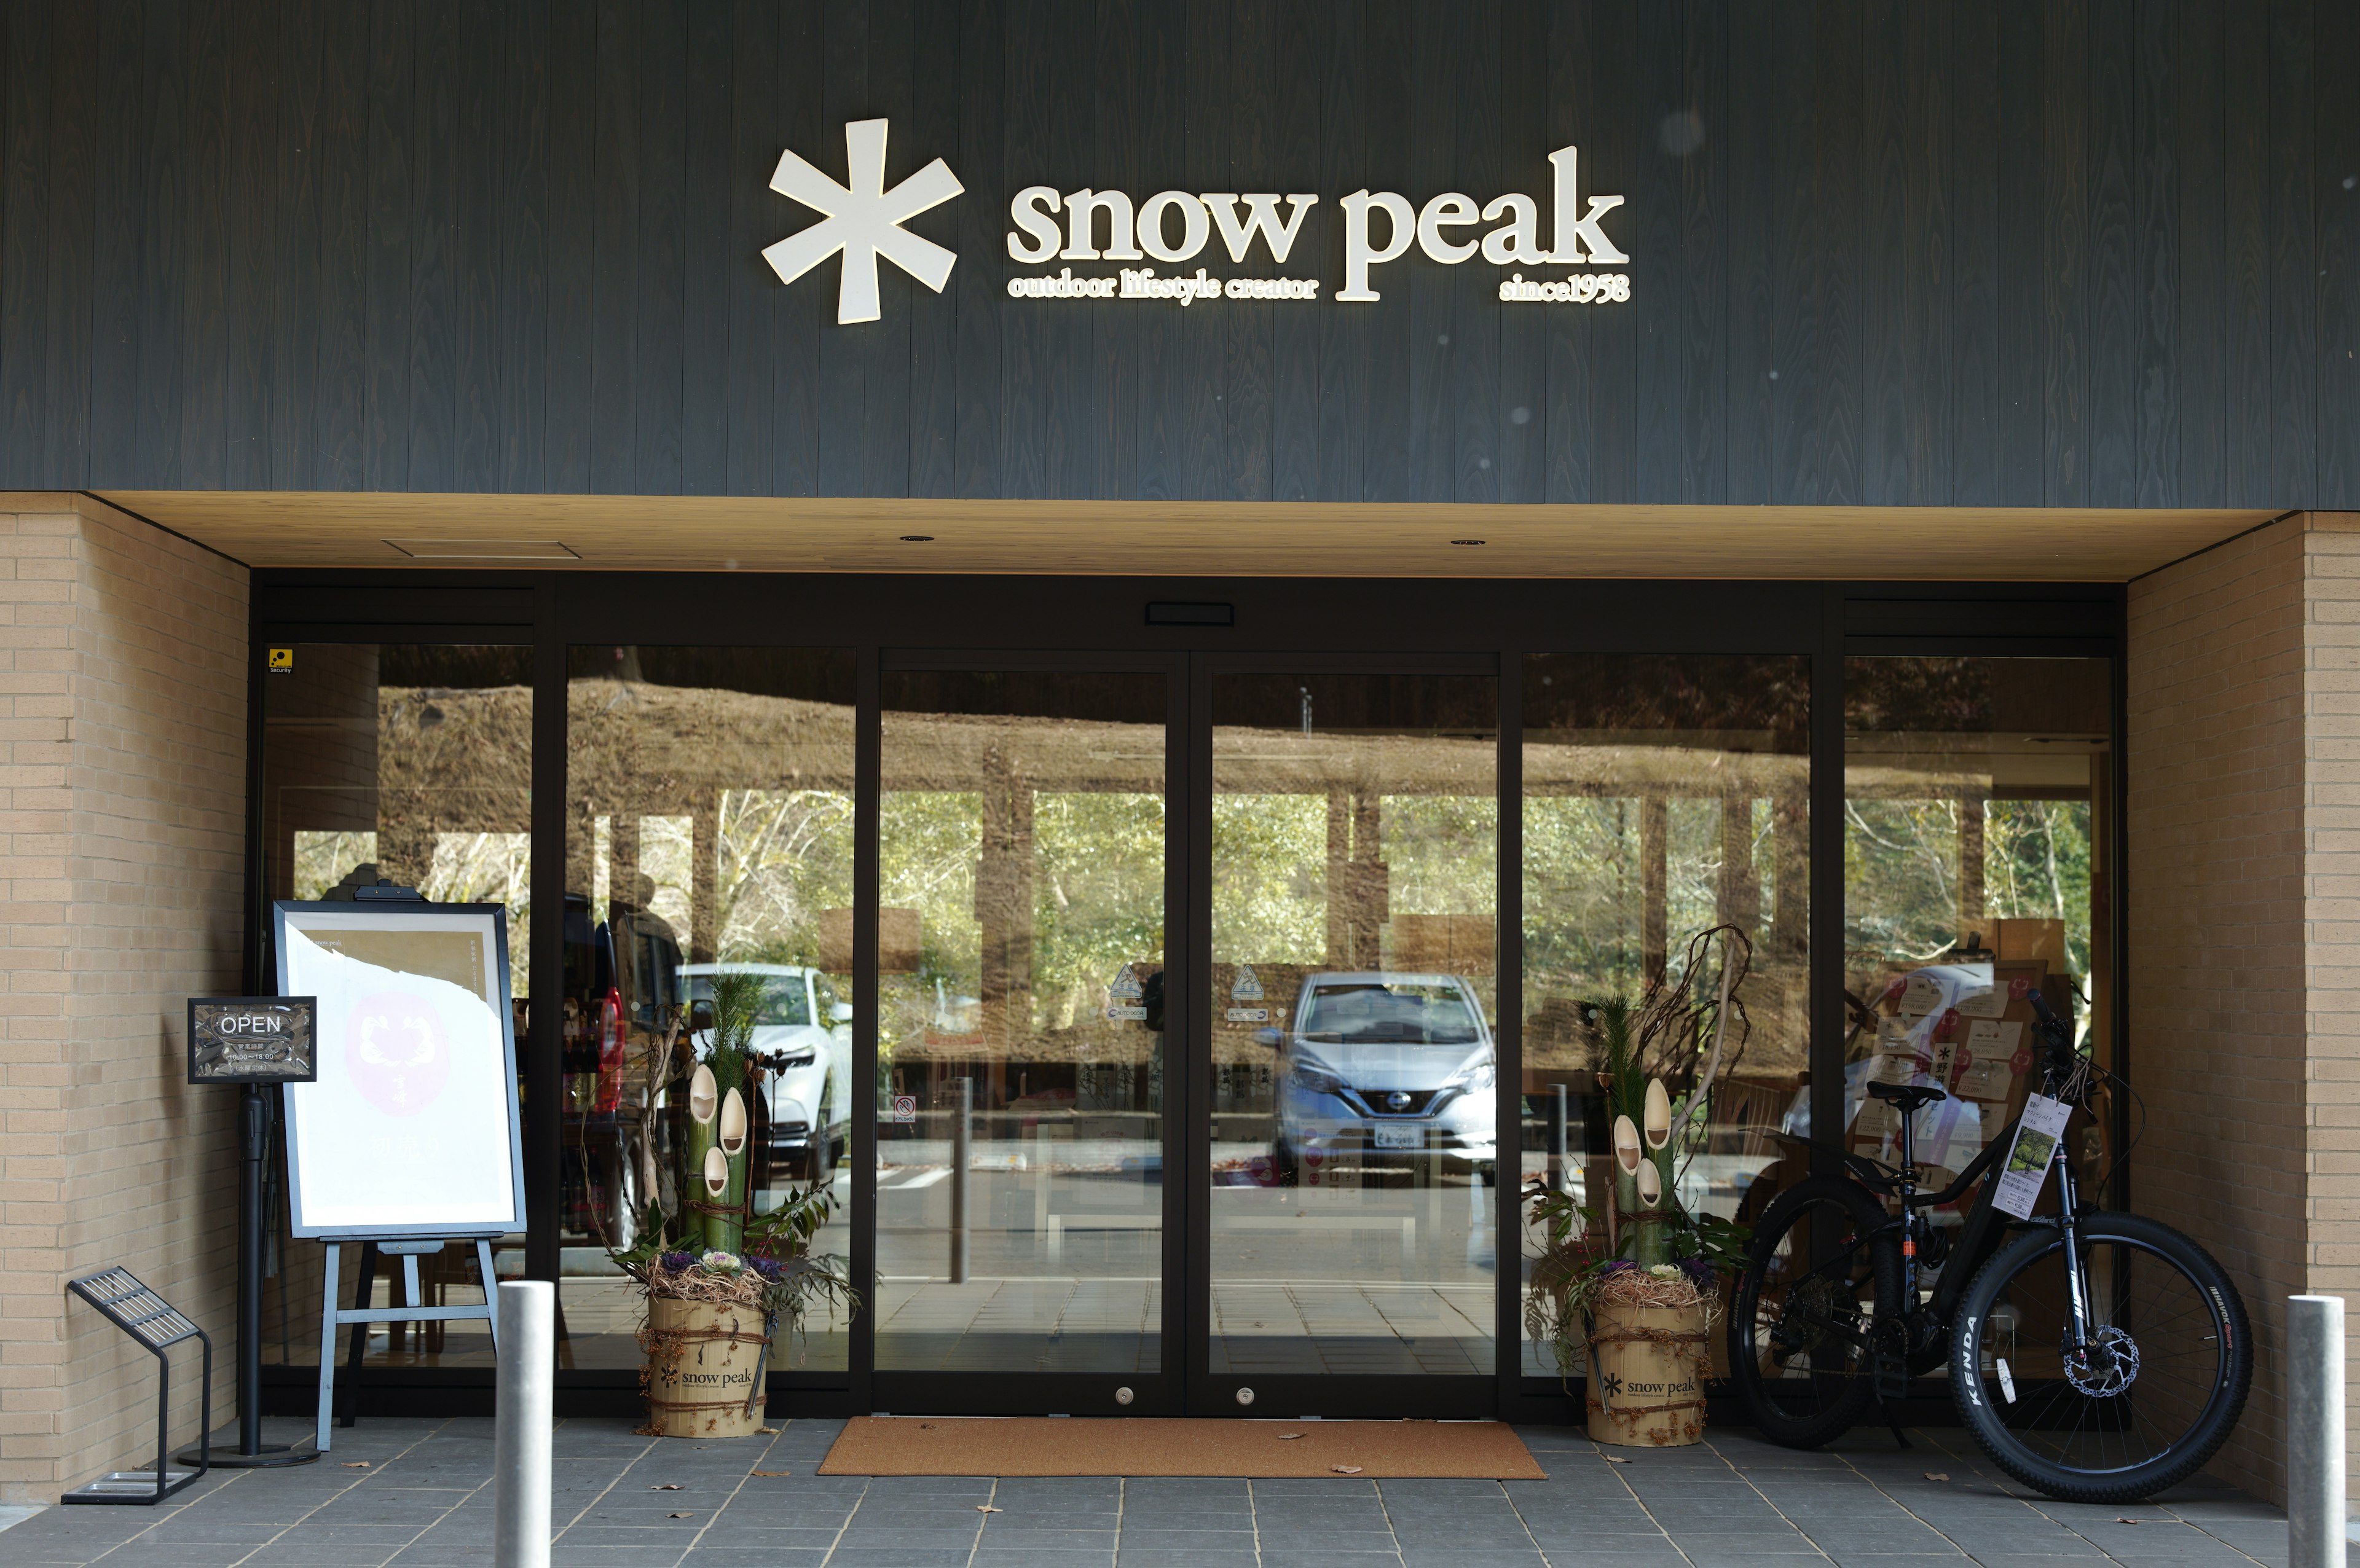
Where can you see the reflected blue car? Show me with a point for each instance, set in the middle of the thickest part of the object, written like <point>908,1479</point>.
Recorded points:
<point>1380,1067</point>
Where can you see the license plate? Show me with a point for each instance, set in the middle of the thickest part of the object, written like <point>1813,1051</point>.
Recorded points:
<point>1400,1136</point>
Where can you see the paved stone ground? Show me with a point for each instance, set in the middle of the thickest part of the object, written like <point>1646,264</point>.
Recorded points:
<point>424,1501</point>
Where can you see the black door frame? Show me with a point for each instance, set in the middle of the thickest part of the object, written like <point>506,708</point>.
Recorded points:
<point>1292,620</point>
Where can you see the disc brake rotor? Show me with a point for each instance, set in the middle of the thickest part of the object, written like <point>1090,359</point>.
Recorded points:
<point>2106,1366</point>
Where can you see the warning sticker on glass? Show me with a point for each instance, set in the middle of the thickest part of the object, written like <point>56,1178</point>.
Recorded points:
<point>2036,1139</point>
<point>1124,994</point>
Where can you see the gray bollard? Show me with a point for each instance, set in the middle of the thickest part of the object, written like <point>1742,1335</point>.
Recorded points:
<point>1560,1159</point>
<point>528,1373</point>
<point>2314,1435</point>
<point>962,1133</point>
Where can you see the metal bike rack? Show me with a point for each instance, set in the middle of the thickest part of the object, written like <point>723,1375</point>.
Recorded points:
<point>158,1326</point>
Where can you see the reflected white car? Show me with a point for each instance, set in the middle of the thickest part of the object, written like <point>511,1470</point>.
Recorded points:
<point>804,1035</point>
<point>1384,1066</point>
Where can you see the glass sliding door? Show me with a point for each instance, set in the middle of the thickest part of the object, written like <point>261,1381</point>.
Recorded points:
<point>1020,1062</point>
<point>709,832</point>
<point>1977,794</point>
<point>1352,1207</point>
<point>409,763</point>
<point>1664,795</point>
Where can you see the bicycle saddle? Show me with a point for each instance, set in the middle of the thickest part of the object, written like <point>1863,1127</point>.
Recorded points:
<point>1907,1096</point>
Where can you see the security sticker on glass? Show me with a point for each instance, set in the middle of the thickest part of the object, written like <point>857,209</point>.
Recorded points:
<point>281,661</point>
<point>2036,1137</point>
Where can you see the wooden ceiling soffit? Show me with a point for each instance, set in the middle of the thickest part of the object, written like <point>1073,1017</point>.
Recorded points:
<point>1323,538</point>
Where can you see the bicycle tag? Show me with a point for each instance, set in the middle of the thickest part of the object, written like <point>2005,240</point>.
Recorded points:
<point>2037,1137</point>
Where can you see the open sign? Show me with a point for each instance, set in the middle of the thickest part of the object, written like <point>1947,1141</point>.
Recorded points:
<point>252,1039</point>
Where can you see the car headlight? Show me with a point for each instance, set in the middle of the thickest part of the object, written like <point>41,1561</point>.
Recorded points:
<point>1482,1075</point>
<point>1313,1080</point>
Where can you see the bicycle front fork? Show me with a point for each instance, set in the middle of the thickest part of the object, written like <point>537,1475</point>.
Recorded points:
<point>2077,1332</point>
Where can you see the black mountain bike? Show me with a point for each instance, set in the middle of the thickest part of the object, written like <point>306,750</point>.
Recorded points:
<point>2097,1356</point>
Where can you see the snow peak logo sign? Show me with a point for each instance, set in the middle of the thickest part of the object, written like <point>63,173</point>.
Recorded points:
<point>863,221</point>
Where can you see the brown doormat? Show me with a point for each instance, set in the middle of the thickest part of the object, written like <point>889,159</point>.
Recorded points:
<point>1047,1445</point>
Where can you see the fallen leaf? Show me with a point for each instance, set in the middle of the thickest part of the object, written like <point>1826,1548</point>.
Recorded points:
<point>684,1516</point>
<point>1291,1436</point>
<point>769,1472</point>
<point>1613,1459</point>
<point>1345,1469</point>
<point>355,1464</point>
<point>667,1486</point>
<point>2127,1520</point>
<point>1938,1475</point>
<point>988,1508</point>
<point>766,1432</point>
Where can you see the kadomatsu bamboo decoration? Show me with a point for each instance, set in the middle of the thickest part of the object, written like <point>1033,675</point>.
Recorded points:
<point>719,1278</point>
<point>1614,1271</point>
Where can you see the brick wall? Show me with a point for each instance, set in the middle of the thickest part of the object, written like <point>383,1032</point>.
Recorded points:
<point>2331,916</point>
<point>2214,773</point>
<point>2244,782</point>
<point>121,790</point>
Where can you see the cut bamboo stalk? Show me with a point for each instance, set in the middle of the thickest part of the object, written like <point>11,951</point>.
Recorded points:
<point>726,1232</point>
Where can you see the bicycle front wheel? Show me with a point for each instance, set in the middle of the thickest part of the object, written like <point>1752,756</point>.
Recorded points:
<point>2150,1393</point>
<point>1825,1272</point>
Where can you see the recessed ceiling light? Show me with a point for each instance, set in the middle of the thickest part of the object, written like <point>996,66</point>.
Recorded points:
<point>917,539</point>
<point>1466,542</point>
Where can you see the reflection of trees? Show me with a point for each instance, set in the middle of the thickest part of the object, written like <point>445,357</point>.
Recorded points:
<point>1586,921</point>
<point>1443,852</point>
<point>1099,897</point>
<point>1901,862</point>
<point>2038,856</point>
<point>1270,898</point>
<point>324,859</point>
<point>482,869</point>
<point>1902,873</point>
<point>785,855</point>
<point>929,842</point>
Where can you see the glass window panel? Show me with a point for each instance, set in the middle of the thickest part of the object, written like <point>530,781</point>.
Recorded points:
<point>709,831</point>
<point>1020,1138</point>
<point>1975,799</point>
<point>410,763</point>
<point>1663,796</point>
<point>1355,867</point>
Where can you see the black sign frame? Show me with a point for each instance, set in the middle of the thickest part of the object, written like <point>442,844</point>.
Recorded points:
<point>304,1034</point>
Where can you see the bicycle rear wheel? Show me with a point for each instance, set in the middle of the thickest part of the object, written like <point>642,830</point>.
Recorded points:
<point>1823,1273</point>
<point>2144,1403</point>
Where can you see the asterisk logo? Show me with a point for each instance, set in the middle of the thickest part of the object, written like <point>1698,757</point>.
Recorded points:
<point>863,219</point>
<point>1611,1383</point>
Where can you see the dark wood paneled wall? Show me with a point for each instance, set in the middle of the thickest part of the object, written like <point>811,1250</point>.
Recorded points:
<point>2012,252</point>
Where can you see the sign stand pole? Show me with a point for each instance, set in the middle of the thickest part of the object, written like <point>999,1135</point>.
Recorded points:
<point>409,1249</point>
<point>254,1043</point>
<point>254,1139</point>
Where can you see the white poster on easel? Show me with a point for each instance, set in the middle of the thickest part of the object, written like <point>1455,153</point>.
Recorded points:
<point>411,1129</point>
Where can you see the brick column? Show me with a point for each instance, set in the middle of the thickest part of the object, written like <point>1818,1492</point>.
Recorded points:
<point>2331,1210</point>
<point>2242,762</point>
<point>121,790</point>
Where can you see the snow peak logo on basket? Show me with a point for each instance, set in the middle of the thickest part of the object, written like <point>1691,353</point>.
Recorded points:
<point>1617,1388</point>
<point>1259,229</point>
